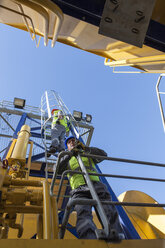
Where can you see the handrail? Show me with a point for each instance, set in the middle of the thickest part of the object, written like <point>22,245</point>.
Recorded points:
<point>61,154</point>
<point>80,201</point>
<point>59,17</point>
<point>98,174</point>
<point>159,100</point>
<point>103,175</point>
<point>39,9</point>
<point>24,15</point>
<point>122,160</point>
<point>87,178</point>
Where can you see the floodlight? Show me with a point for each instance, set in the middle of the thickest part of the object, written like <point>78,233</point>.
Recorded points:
<point>88,118</point>
<point>19,103</point>
<point>77,115</point>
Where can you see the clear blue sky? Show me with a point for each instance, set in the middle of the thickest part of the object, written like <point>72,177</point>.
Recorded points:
<point>124,107</point>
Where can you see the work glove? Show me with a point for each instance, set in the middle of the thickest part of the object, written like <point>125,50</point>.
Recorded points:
<point>58,121</point>
<point>80,145</point>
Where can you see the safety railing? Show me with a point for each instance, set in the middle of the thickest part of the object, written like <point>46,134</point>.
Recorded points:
<point>105,233</point>
<point>25,18</point>
<point>27,108</point>
<point>159,93</point>
<point>94,202</point>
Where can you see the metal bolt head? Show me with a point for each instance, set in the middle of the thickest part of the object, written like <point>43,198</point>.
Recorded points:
<point>114,1</point>
<point>108,19</point>
<point>139,13</point>
<point>135,30</point>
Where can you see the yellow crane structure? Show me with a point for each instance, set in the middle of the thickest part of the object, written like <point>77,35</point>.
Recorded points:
<point>125,33</point>
<point>33,198</point>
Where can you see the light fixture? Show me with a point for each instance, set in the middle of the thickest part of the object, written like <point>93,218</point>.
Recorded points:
<point>19,103</point>
<point>88,118</point>
<point>77,115</point>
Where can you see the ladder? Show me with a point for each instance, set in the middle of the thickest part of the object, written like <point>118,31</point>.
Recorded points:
<point>80,129</point>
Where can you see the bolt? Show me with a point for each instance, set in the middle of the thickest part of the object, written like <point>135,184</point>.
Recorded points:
<point>139,12</point>
<point>114,1</point>
<point>83,18</point>
<point>108,19</point>
<point>139,19</point>
<point>135,31</point>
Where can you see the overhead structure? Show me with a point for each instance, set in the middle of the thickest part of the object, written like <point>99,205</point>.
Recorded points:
<point>36,17</point>
<point>125,33</point>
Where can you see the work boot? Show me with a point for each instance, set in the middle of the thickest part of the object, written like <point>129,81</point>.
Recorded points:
<point>51,151</point>
<point>114,235</point>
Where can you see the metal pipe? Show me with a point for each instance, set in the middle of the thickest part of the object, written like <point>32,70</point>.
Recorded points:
<point>21,14</point>
<point>100,210</point>
<point>7,122</point>
<point>32,183</point>
<point>29,160</point>
<point>61,154</point>
<point>159,100</point>
<point>48,106</point>
<point>21,209</point>
<point>122,160</point>
<point>46,211</point>
<point>55,224</point>
<point>18,182</point>
<point>40,226</point>
<point>134,204</point>
<point>103,175</point>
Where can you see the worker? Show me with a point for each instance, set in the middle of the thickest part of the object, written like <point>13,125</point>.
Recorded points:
<point>59,129</point>
<point>85,226</point>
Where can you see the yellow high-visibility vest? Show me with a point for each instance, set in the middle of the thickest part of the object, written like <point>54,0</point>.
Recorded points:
<point>77,180</point>
<point>61,121</point>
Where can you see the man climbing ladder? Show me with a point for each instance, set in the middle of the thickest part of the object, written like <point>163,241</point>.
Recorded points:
<point>85,226</point>
<point>59,129</point>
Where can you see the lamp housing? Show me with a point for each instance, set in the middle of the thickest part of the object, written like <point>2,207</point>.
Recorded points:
<point>19,103</point>
<point>77,115</point>
<point>88,118</point>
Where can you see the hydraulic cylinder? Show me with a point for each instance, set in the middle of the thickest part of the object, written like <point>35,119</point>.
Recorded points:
<point>18,156</point>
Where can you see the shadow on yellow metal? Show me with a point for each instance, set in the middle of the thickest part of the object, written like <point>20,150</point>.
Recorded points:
<point>81,243</point>
<point>148,221</point>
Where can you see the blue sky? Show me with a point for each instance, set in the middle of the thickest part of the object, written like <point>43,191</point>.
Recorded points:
<point>124,107</point>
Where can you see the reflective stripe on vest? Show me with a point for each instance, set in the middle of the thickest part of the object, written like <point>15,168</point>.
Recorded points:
<point>77,180</point>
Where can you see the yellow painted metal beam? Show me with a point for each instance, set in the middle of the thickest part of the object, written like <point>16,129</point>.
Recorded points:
<point>40,243</point>
<point>158,59</point>
<point>46,211</point>
<point>11,149</point>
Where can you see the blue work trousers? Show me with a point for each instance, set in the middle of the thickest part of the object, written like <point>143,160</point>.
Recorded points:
<point>85,226</point>
<point>58,137</point>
